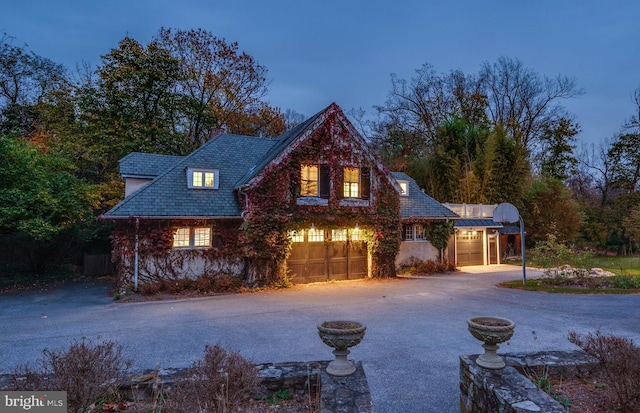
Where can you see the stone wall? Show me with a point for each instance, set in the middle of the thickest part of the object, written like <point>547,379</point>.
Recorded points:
<point>508,390</point>
<point>348,394</point>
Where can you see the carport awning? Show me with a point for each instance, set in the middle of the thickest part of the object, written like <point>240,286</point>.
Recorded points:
<point>476,223</point>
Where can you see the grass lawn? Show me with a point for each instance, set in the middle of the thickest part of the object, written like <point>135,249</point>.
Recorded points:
<point>618,265</point>
<point>626,267</point>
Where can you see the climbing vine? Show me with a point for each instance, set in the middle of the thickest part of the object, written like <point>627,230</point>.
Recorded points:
<point>272,209</point>
<point>256,246</point>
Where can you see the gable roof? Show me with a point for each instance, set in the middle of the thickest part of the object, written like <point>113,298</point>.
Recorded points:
<point>290,140</point>
<point>420,205</point>
<point>168,195</point>
<point>146,165</point>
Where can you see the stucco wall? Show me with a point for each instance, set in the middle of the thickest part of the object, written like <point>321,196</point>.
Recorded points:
<point>131,185</point>
<point>421,250</point>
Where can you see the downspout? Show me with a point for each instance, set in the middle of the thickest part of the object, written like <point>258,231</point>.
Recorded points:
<point>136,258</point>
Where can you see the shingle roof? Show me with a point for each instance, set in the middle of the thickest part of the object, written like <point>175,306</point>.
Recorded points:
<point>488,223</point>
<point>420,205</point>
<point>168,196</point>
<point>283,142</point>
<point>146,165</point>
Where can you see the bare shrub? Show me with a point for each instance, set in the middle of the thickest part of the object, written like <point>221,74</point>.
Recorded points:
<point>619,363</point>
<point>87,371</point>
<point>221,382</point>
<point>415,266</point>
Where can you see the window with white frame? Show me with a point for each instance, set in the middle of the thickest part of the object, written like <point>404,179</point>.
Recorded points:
<point>309,180</point>
<point>202,178</point>
<point>414,232</point>
<point>181,238</point>
<point>404,188</point>
<point>196,237</point>
<point>355,234</point>
<point>202,237</point>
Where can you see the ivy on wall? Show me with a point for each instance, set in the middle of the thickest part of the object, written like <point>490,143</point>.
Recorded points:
<point>256,247</point>
<point>272,209</point>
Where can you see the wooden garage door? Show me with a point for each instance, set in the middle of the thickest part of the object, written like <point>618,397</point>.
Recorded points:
<point>469,247</point>
<point>314,258</point>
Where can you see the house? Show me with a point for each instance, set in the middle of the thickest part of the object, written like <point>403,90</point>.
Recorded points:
<point>477,239</point>
<point>315,204</point>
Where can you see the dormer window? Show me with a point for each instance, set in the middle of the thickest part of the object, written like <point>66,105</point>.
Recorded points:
<point>404,188</point>
<point>202,178</point>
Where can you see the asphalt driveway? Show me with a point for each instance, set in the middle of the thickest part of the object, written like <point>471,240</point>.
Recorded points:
<point>416,328</point>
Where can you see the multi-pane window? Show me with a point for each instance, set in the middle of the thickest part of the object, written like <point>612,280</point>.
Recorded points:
<point>338,234</point>
<point>198,237</point>
<point>297,235</point>
<point>202,178</point>
<point>408,232</point>
<point>356,234</point>
<point>351,182</point>
<point>309,180</point>
<point>202,237</point>
<point>181,238</point>
<point>315,235</point>
<point>414,232</point>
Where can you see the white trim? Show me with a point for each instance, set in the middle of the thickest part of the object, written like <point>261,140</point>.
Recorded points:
<point>192,171</point>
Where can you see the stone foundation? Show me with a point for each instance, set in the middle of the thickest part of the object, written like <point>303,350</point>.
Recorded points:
<point>509,391</point>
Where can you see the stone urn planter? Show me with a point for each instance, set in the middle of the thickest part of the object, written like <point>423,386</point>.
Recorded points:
<point>491,331</point>
<point>341,335</point>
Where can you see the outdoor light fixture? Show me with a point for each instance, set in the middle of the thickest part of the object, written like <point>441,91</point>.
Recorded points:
<point>357,227</point>
<point>313,227</point>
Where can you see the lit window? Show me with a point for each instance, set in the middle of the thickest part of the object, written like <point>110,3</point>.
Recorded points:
<point>419,231</point>
<point>208,179</point>
<point>296,236</point>
<point>202,179</point>
<point>202,237</point>
<point>404,188</point>
<point>309,180</point>
<point>351,182</point>
<point>181,238</point>
<point>315,235</point>
<point>197,178</point>
<point>356,235</point>
<point>199,237</point>
<point>338,234</point>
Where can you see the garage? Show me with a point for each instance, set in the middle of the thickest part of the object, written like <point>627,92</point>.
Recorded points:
<point>469,247</point>
<point>323,255</point>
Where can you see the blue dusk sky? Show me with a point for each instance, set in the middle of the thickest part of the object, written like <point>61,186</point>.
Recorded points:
<point>318,52</point>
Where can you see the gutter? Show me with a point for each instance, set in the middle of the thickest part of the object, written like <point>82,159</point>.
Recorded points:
<point>122,217</point>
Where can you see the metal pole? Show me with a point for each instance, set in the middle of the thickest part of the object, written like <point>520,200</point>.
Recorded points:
<point>135,259</point>
<point>524,259</point>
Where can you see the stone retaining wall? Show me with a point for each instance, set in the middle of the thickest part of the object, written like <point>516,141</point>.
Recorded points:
<point>348,394</point>
<point>509,391</point>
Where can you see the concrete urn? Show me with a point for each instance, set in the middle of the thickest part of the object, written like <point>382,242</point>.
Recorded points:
<point>341,335</point>
<point>492,331</point>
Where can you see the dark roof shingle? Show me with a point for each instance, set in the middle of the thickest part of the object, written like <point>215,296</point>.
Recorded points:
<point>168,196</point>
<point>420,205</point>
